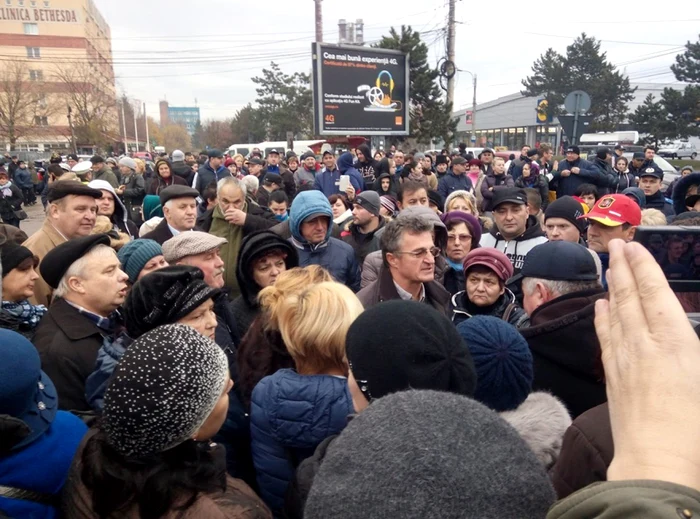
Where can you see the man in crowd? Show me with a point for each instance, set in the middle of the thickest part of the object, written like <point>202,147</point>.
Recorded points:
<point>516,166</point>
<point>211,171</point>
<point>409,252</point>
<point>71,213</point>
<point>399,160</point>
<point>560,287</point>
<point>486,157</point>
<point>255,167</point>
<point>602,163</point>
<point>613,216</point>
<point>310,224</point>
<point>441,165</point>
<point>328,180</point>
<point>181,168</point>
<point>546,160</point>
<point>89,286</point>
<point>102,171</point>
<point>179,205</point>
<point>279,205</point>
<point>72,160</point>
<point>456,179</point>
<point>619,151</point>
<point>574,171</point>
<point>637,164</point>
<point>411,194</point>
<point>232,219</point>
<point>650,182</point>
<point>366,225</point>
<point>562,220</point>
<point>273,162</point>
<point>305,176</point>
<point>271,183</point>
<point>515,232</point>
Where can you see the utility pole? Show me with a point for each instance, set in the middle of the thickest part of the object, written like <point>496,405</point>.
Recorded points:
<point>136,130</point>
<point>319,21</point>
<point>145,120</point>
<point>72,132</point>
<point>474,109</point>
<point>451,51</point>
<point>126,142</point>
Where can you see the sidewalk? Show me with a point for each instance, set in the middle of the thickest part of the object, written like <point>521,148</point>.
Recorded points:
<point>35,220</point>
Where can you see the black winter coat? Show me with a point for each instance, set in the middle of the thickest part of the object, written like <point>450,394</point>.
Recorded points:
<point>540,183</point>
<point>463,309</point>
<point>607,175</point>
<point>566,351</point>
<point>10,204</point>
<point>495,182</point>
<point>621,181</point>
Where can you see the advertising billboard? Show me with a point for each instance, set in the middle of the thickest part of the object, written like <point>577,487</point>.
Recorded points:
<point>359,90</point>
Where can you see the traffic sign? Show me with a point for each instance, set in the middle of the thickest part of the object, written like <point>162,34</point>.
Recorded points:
<point>577,101</point>
<point>567,124</point>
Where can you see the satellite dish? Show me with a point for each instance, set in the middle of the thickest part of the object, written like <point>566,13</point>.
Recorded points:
<point>577,101</point>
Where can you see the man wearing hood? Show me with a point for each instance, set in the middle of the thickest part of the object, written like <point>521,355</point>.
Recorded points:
<point>111,206</point>
<point>328,180</point>
<point>309,223</point>
<point>687,185</point>
<point>516,233</point>
<point>262,258</point>
<point>181,168</point>
<point>366,165</point>
<point>367,224</point>
<point>211,171</point>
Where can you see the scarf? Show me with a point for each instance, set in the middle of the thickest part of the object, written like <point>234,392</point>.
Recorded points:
<point>25,311</point>
<point>5,190</point>
<point>459,267</point>
<point>282,217</point>
<point>229,251</point>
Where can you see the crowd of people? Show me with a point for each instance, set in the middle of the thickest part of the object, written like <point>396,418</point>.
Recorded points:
<point>365,335</point>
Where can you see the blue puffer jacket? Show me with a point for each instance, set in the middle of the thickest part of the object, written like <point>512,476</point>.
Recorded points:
<point>327,181</point>
<point>108,357</point>
<point>206,175</point>
<point>290,415</point>
<point>451,182</point>
<point>23,178</point>
<point>336,256</point>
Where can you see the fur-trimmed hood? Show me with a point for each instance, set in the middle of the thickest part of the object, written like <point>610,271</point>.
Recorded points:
<point>541,421</point>
<point>679,192</point>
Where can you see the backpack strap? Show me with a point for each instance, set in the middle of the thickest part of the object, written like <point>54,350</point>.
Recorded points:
<point>29,495</point>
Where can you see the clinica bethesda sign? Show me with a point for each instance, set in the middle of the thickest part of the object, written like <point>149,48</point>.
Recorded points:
<point>21,14</point>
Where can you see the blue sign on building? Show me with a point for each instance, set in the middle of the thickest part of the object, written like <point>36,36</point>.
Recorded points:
<point>186,115</point>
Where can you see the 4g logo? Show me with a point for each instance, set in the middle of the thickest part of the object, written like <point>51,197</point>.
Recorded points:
<point>330,118</point>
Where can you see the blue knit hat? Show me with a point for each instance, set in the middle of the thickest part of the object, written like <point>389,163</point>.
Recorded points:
<point>502,360</point>
<point>134,255</point>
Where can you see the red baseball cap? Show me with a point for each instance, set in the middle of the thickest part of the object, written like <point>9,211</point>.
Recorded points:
<point>491,258</point>
<point>615,210</point>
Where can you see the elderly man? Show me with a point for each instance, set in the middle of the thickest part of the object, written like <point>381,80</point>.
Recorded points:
<point>310,224</point>
<point>367,224</point>
<point>179,205</point>
<point>102,171</point>
<point>574,171</point>
<point>560,287</point>
<point>71,213</point>
<point>409,253</point>
<point>233,218</point>
<point>89,286</point>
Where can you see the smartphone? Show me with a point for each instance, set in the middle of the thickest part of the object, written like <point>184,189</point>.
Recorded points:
<point>344,183</point>
<point>676,249</point>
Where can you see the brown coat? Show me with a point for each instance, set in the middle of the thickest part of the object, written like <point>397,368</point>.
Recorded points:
<point>40,243</point>
<point>586,452</point>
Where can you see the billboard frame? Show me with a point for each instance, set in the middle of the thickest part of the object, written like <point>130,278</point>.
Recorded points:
<point>317,91</point>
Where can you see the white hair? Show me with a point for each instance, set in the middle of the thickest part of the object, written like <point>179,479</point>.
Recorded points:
<point>77,268</point>
<point>250,184</point>
<point>233,181</point>
<point>557,287</point>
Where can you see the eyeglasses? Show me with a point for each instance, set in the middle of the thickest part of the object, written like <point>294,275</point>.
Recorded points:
<point>422,253</point>
<point>461,237</point>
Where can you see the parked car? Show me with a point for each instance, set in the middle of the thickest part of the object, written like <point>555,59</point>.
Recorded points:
<point>678,150</point>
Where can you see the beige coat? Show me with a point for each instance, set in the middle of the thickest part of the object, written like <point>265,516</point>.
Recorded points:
<point>40,243</point>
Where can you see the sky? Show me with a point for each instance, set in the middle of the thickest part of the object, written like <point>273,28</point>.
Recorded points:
<point>209,50</point>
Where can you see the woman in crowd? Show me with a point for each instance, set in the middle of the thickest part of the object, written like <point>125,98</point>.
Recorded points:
<point>342,210</point>
<point>294,410</point>
<point>151,455</point>
<point>10,199</point>
<point>141,257</point>
<point>463,235</point>
<point>623,179</point>
<point>465,201</point>
<point>413,171</point>
<point>132,190</point>
<point>531,178</point>
<point>385,184</point>
<point>263,257</point>
<point>37,441</point>
<point>163,178</point>
<point>18,277</point>
<point>486,271</point>
<point>504,374</point>
<point>495,179</point>
<point>262,351</point>
<point>389,208</point>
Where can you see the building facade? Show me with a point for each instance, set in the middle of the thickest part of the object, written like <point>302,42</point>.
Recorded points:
<point>187,116</point>
<point>55,54</point>
<point>511,121</point>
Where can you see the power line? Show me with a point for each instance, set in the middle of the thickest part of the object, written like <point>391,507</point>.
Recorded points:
<point>610,41</point>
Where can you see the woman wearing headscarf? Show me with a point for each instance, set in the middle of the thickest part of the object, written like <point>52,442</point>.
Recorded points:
<point>163,178</point>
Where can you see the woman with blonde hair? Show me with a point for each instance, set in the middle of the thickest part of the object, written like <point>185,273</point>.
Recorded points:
<point>294,410</point>
<point>262,351</point>
<point>466,202</point>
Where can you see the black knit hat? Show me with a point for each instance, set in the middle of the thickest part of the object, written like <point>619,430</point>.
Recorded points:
<point>429,454</point>
<point>569,209</point>
<point>165,387</point>
<point>163,297</point>
<point>387,354</point>
<point>11,255</point>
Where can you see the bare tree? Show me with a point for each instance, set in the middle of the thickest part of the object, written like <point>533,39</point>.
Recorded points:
<point>92,97</point>
<point>22,98</point>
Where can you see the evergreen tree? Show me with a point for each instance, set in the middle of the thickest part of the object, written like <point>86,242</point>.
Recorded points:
<point>248,126</point>
<point>650,120</point>
<point>687,67</point>
<point>583,68</point>
<point>431,116</point>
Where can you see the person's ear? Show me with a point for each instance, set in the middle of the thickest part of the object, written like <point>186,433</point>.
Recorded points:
<point>392,259</point>
<point>630,234</point>
<point>76,285</point>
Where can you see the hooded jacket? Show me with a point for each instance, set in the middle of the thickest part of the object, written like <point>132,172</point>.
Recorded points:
<point>206,175</point>
<point>181,169</point>
<point>681,191</point>
<point>538,182</point>
<point>245,307</point>
<point>517,248</point>
<point>392,184</point>
<point>621,181</point>
<point>120,217</point>
<point>291,414</point>
<point>158,183</point>
<point>607,175</point>
<point>335,256</point>
<point>566,351</point>
<point>327,181</point>
<point>451,182</point>
<point>368,168</point>
<point>463,309</point>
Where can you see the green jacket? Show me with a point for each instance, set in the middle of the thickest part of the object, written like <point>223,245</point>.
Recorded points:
<point>629,499</point>
<point>107,175</point>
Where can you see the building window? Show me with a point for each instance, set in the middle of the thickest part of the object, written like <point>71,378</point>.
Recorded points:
<point>31,28</point>
<point>20,3</point>
<point>36,75</point>
<point>8,2</point>
<point>32,3</point>
<point>41,120</point>
<point>33,52</point>
<point>46,3</point>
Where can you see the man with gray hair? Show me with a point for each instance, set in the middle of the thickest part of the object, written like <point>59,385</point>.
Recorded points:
<point>409,252</point>
<point>89,286</point>
<point>179,210</point>
<point>233,218</point>
<point>560,287</point>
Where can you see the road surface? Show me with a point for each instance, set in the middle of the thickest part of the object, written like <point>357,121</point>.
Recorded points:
<point>35,220</point>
